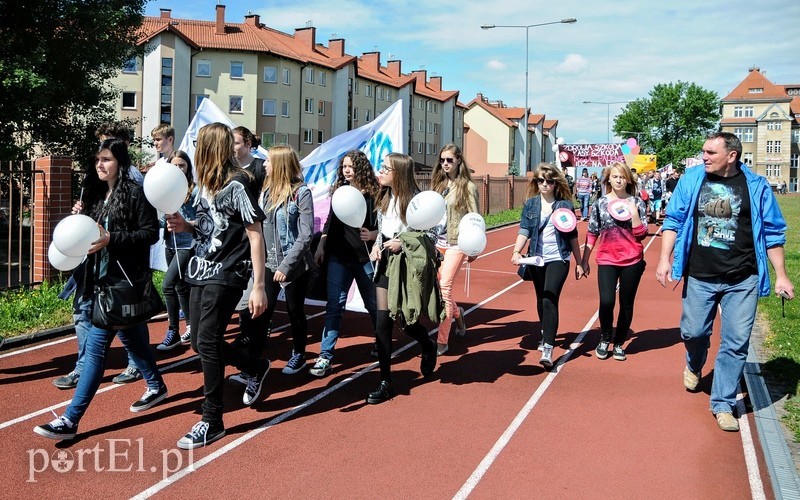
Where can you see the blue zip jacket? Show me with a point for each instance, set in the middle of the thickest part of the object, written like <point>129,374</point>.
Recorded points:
<point>769,226</point>
<point>531,219</point>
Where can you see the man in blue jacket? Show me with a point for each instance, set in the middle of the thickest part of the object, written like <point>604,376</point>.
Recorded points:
<point>723,224</point>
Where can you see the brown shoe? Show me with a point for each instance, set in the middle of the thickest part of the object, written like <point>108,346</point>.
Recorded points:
<point>727,422</point>
<point>690,379</point>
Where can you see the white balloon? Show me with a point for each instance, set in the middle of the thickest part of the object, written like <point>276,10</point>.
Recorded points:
<point>472,218</point>
<point>471,240</point>
<point>61,261</point>
<point>425,210</point>
<point>74,235</point>
<point>349,206</point>
<point>555,148</point>
<point>560,140</point>
<point>165,187</point>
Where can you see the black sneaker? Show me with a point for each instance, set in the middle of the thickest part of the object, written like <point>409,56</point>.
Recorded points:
<point>254,385</point>
<point>149,399</point>
<point>68,381</point>
<point>202,434</point>
<point>428,363</point>
<point>619,354</point>
<point>59,429</point>
<point>602,350</point>
<point>171,341</point>
<point>296,363</point>
<point>383,393</point>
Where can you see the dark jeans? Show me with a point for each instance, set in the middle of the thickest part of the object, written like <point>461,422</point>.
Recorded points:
<point>548,280</point>
<point>212,308</point>
<point>607,278</point>
<point>383,331</point>
<point>176,290</point>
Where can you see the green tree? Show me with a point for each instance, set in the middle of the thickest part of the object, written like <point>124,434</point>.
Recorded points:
<point>56,60</point>
<point>672,121</point>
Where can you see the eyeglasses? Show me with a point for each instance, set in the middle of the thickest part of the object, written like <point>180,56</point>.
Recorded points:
<point>446,160</point>
<point>549,182</point>
<point>385,170</point>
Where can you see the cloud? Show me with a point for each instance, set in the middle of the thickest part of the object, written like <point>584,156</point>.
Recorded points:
<point>573,63</point>
<point>494,64</point>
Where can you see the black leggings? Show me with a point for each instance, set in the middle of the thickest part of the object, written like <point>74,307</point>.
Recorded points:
<point>607,277</point>
<point>548,280</point>
<point>383,330</point>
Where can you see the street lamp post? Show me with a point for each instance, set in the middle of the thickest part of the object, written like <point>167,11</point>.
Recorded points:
<point>608,115</point>
<point>637,134</point>
<point>571,20</point>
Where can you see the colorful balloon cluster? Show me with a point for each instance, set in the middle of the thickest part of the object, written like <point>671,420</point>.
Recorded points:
<point>631,147</point>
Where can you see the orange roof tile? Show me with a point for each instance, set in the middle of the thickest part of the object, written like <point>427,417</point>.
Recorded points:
<point>794,106</point>
<point>534,119</point>
<point>548,124</point>
<point>756,80</point>
<point>734,121</point>
<point>368,66</point>
<point>422,88</point>
<point>493,110</point>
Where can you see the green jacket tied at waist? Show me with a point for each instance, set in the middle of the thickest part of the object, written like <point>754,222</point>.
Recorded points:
<point>413,287</point>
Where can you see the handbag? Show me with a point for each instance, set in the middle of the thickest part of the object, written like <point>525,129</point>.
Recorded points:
<point>125,303</point>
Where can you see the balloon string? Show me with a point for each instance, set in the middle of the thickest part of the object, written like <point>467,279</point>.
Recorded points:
<point>371,263</point>
<point>177,255</point>
<point>466,281</point>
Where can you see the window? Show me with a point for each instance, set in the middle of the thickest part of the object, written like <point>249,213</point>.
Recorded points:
<point>458,133</point>
<point>379,93</point>
<point>355,87</point>
<point>285,139</point>
<point>757,90</point>
<point>429,106</point>
<point>235,104</point>
<point>745,134</point>
<point>773,170</point>
<point>355,115</point>
<point>320,136</point>
<point>320,107</point>
<point>268,139</point>
<point>129,66</point>
<point>420,106</point>
<point>270,74</point>
<point>308,135</point>
<point>368,90</point>
<point>419,147</point>
<point>428,127</point>
<point>308,105</point>
<point>129,100</point>
<point>796,136</point>
<point>368,115</point>
<point>269,107</point>
<point>747,159</point>
<point>777,146</point>
<point>435,107</point>
<point>774,125</point>
<point>237,69</point>
<point>773,146</point>
<point>203,68</point>
<point>166,90</point>
<point>748,111</point>
<point>198,99</point>
<point>389,94</point>
<point>794,161</point>
<point>285,109</point>
<point>323,77</point>
<point>287,76</point>
<point>309,75</point>
<point>428,148</point>
<point>419,126</point>
<point>435,128</point>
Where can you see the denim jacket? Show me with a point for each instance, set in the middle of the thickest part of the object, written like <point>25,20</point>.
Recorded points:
<point>188,212</point>
<point>287,233</point>
<point>531,219</point>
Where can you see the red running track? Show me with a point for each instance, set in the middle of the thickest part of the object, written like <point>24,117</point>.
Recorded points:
<point>489,424</point>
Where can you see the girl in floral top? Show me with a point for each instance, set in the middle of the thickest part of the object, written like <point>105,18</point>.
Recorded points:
<point>620,255</point>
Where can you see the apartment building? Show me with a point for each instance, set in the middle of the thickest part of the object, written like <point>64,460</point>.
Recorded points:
<point>494,137</point>
<point>288,88</point>
<point>766,118</point>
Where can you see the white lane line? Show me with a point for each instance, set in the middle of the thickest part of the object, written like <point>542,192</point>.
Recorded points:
<point>750,457</point>
<point>37,347</point>
<point>504,439</point>
<point>163,369</point>
<point>164,483</point>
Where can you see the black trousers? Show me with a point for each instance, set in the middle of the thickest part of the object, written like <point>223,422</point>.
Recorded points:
<point>628,278</point>
<point>548,280</point>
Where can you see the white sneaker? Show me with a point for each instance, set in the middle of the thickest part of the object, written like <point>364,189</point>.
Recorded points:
<point>321,367</point>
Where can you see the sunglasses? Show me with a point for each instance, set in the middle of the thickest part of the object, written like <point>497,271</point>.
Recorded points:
<point>446,160</point>
<point>549,182</point>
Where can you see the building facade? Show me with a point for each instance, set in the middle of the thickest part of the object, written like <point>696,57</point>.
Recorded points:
<point>287,88</point>
<point>766,118</point>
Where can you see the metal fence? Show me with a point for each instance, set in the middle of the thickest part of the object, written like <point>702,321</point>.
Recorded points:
<point>496,194</point>
<point>17,189</point>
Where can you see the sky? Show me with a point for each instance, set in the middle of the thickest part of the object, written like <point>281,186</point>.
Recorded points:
<point>617,51</point>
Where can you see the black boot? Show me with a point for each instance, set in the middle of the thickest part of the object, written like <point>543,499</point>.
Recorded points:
<point>383,393</point>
